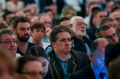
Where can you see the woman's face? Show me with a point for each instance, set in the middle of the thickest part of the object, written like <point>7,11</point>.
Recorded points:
<point>45,64</point>
<point>5,70</point>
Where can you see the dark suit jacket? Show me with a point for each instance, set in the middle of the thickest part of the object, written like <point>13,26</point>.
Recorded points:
<point>79,63</point>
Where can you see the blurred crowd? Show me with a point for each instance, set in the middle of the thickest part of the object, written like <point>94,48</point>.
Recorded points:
<point>59,39</point>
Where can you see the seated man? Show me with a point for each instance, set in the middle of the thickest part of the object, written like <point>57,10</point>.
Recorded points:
<point>21,27</point>
<point>8,41</point>
<point>65,62</point>
<point>108,33</point>
<point>37,33</point>
<point>80,39</point>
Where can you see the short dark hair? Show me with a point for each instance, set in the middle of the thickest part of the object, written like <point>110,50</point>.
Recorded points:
<point>37,25</point>
<point>6,13</point>
<point>102,28</point>
<point>104,20</point>
<point>4,31</point>
<point>112,51</point>
<point>21,61</point>
<point>58,29</point>
<point>95,11</point>
<point>18,19</point>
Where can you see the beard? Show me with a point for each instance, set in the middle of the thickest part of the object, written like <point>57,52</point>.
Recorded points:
<point>79,32</point>
<point>23,38</point>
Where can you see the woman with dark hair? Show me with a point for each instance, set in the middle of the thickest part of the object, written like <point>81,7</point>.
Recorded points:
<point>42,57</point>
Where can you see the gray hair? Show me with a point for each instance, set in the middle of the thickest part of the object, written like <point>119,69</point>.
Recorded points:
<point>73,19</point>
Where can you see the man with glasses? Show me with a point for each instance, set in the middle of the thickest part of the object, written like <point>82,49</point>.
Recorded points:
<point>107,32</point>
<point>8,41</point>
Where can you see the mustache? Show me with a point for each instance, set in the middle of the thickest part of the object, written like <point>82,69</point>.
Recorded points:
<point>27,35</point>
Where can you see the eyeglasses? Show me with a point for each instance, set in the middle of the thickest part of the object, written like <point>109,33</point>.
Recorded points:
<point>33,74</point>
<point>8,41</point>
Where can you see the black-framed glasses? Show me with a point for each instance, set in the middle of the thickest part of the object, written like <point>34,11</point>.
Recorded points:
<point>8,41</point>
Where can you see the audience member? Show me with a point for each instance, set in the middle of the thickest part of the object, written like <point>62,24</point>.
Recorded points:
<point>68,11</point>
<point>65,21</point>
<point>80,40</point>
<point>112,52</point>
<point>114,69</point>
<point>109,22</point>
<point>14,5</point>
<point>8,41</point>
<point>6,66</point>
<point>21,27</point>
<point>37,34</point>
<point>95,20</point>
<point>107,32</point>
<point>64,61</point>
<point>7,16</point>
<point>42,56</point>
<point>28,67</point>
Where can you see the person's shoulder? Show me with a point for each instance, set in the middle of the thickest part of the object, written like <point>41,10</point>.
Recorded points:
<point>31,44</point>
<point>78,53</point>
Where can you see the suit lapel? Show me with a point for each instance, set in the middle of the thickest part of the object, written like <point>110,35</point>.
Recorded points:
<point>72,65</point>
<point>56,66</point>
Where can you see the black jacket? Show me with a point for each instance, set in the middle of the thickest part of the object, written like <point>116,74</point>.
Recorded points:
<point>79,68</point>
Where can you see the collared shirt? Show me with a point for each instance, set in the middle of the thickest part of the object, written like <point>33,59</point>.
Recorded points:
<point>64,64</point>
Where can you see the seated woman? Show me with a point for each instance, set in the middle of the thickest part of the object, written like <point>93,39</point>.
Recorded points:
<point>39,52</point>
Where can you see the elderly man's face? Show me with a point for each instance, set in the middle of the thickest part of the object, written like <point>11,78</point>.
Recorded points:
<point>8,42</point>
<point>79,28</point>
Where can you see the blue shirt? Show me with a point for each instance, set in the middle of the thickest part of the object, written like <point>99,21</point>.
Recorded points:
<point>64,64</point>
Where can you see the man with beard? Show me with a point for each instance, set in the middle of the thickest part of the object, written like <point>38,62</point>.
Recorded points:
<point>21,27</point>
<point>80,40</point>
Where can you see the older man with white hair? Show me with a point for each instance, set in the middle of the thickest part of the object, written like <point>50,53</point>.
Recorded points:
<point>80,40</point>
